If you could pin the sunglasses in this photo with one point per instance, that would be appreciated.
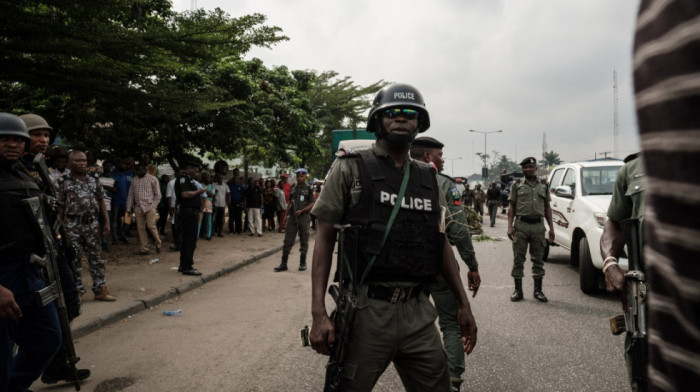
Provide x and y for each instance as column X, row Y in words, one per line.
column 408, row 114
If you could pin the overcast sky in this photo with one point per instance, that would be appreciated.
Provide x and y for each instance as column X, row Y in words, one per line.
column 528, row 67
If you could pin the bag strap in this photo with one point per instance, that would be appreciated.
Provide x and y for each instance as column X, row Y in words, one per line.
column 392, row 217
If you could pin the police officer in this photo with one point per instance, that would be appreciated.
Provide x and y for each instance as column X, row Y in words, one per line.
column 394, row 321
column 34, row 329
column 627, row 202
column 429, row 150
column 81, row 198
column 479, row 197
column 467, row 196
column 528, row 203
column 300, row 203
column 39, row 134
column 189, row 203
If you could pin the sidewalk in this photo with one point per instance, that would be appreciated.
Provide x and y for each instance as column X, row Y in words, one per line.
column 139, row 285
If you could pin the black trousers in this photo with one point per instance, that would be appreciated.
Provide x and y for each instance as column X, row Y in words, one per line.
column 219, row 217
column 189, row 220
column 235, row 218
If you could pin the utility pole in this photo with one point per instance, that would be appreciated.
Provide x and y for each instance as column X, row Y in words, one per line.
column 485, row 169
column 616, row 125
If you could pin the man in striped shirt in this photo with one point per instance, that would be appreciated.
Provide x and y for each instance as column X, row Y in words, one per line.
column 143, row 199
column 667, row 90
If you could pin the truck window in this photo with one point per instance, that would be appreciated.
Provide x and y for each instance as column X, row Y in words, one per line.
column 599, row 180
column 556, row 178
column 570, row 180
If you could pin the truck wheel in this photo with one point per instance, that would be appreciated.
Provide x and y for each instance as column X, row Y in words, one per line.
column 588, row 274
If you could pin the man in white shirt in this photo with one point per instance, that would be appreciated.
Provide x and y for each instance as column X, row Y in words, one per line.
column 143, row 199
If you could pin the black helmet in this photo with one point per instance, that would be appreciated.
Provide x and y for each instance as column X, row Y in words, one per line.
column 34, row 122
column 399, row 94
column 12, row 125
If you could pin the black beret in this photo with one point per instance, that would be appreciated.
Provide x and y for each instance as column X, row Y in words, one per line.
column 427, row 142
column 528, row 161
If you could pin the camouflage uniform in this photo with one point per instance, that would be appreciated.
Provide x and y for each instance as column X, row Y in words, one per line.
column 82, row 206
column 457, row 231
column 479, row 197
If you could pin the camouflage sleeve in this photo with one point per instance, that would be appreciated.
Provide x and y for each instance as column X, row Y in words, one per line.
column 457, row 226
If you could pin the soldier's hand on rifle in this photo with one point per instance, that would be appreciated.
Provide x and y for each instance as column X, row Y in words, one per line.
column 322, row 335
column 8, row 307
column 551, row 236
column 615, row 283
column 468, row 327
column 106, row 230
column 474, row 281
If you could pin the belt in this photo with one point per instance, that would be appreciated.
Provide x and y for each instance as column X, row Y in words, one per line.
column 530, row 219
column 85, row 218
column 393, row 294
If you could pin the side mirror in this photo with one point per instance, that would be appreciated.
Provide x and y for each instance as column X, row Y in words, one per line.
column 564, row 191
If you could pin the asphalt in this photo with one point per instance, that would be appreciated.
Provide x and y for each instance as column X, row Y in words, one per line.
column 141, row 282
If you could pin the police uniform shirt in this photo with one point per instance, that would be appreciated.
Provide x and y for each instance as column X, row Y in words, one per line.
column 628, row 196
column 529, row 200
column 342, row 188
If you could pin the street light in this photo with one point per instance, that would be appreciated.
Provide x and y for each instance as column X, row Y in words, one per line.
column 453, row 164
column 484, row 169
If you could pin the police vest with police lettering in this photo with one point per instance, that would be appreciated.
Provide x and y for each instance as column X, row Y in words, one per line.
column 413, row 250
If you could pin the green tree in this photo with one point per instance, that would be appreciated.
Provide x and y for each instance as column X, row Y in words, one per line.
column 123, row 73
column 338, row 103
column 550, row 159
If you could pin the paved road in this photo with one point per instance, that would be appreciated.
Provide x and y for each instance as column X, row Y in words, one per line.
column 240, row 333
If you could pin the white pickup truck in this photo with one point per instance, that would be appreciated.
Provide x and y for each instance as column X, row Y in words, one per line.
column 581, row 193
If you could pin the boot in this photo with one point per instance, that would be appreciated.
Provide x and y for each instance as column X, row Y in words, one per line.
column 283, row 265
column 538, row 294
column 58, row 370
column 104, row 295
column 302, row 262
column 456, row 383
column 518, row 293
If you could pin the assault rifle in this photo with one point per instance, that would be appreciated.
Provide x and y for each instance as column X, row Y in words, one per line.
column 53, row 291
column 343, row 317
column 634, row 320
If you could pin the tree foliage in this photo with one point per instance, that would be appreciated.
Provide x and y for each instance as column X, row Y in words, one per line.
column 550, row 159
column 135, row 76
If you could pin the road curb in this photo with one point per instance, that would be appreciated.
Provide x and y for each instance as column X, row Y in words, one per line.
column 140, row 305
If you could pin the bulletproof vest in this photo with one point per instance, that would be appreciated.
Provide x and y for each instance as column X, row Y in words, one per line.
column 186, row 183
column 413, row 250
column 301, row 196
column 18, row 232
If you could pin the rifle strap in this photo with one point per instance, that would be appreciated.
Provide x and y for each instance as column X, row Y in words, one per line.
column 392, row 217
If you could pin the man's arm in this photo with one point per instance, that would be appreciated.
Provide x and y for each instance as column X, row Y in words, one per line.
column 306, row 209
column 548, row 217
column 130, row 198
column 9, row 309
column 511, row 218
column 454, row 282
column 322, row 331
column 612, row 242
